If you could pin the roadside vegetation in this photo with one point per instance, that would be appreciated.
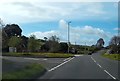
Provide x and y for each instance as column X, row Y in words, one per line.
column 113, row 50
column 16, row 43
column 28, row 72
column 45, row 55
column 112, row 56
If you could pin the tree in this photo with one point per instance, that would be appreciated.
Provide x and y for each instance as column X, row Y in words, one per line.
column 45, row 38
column 115, row 40
column 114, row 44
column 63, row 47
column 4, row 37
column 45, row 47
column 12, row 30
column 100, row 43
column 33, row 44
column 54, row 38
column 24, row 41
column 54, row 45
column 51, row 45
column 23, row 44
column 14, row 42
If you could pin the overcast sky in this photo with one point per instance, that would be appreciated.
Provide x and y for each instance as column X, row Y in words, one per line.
column 89, row 20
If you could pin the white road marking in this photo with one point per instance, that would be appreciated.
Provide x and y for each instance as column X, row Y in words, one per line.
column 31, row 58
column 93, row 59
column 60, row 64
column 99, row 65
column 102, row 68
column 78, row 55
column 66, row 59
column 44, row 59
column 109, row 74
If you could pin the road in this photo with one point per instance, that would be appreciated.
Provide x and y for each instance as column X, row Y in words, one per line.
column 85, row 67
column 80, row 67
column 48, row 63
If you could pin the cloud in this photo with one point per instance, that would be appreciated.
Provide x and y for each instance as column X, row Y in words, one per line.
column 118, row 29
column 36, row 11
column 41, row 35
column 80, row 35
column 86, row 30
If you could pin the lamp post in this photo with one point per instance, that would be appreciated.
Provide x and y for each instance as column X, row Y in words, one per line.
column 68, row 35
column 2, row 25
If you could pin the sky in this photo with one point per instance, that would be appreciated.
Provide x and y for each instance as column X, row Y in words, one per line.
column 89, row 20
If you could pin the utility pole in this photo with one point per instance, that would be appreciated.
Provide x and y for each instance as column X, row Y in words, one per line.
column 85, row 48
column 2, row 25
column 69, row 35
column 75, row 42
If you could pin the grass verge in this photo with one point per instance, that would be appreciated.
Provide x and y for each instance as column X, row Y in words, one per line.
column 112, row 56
column 29, row 72
column 58, row 55
column 47, row 55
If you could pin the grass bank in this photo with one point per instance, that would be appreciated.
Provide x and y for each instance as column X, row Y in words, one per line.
column 46, row 55
column 112, row 56
column 29, row 72
column 58, row 55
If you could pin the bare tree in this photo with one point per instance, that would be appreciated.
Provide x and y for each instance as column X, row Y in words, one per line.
column 115, row 40
column 115, row 44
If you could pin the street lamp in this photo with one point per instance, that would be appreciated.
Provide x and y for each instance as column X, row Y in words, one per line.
column 68, row 35
column 2, row 25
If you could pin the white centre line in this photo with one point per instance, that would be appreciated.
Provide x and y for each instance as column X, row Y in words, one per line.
column 44, row 59
column 60, row 65
column 103, row 69
column 31, row 58
column 93, row 59
column 109, row 74
column 66, row 59
column 99, row 65
column 78, row 55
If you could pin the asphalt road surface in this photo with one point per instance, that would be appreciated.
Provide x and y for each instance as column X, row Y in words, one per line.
column 84, row 67
column 79, row 67
column 48, row 63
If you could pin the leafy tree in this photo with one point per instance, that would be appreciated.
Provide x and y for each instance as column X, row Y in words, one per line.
column 45, row 38
column 14, row 41
column 23, row 45
column 24, row 41
column 45, row 47
column 63, row 47
column 100, row 43
column 54, row 38
column 8, row 31
column 12, row 30
column 52, row 45
column 33, row 44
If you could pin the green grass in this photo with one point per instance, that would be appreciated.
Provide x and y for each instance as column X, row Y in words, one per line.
column 58, row 55
column 112, row 56
column 48, row 55
column 25, row 73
